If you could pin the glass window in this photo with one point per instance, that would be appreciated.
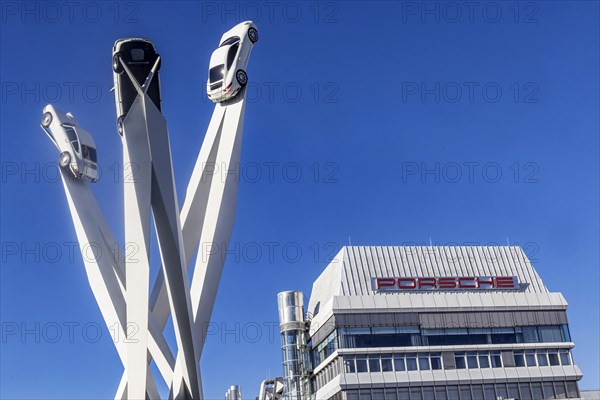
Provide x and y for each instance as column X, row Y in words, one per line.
column 378, row 330
column 378, row 394
column 137, row 54
column 477, row 392
column 561, row 391
column 453, row 392
column 349, row 365
column 484, row 360
column 365, row 394
column 428, row 393
column 403, row 394
column 399, row 362
column 408, row 329
column 70, row 133
column 530, row 358
column 216, row 73
column 440, row 393
column 525, row 391
column 374, row 365
column 501, row 390
column 423, row 362
column 386, row 363
column 352, row 394
column 566, row 333
column 361, row 364
column 459, row 359
column 230, row 40
column 572, row 391
column 92, row 154
column 548, row 391
column 513, row 391
column 436, row 361
column 553, row 357
column 465, row 392
column 231, row 54
column 519, row 359
column 415, row 393
column 390, row 394
column 472, row 360
column 565, row 359
column 488, row 392
column 552, row 333
column 72, row 137
column 536, row 389
column 496, row 360
column 411, row 362
column 503, row 338
column 542, row 358
column 530, row 334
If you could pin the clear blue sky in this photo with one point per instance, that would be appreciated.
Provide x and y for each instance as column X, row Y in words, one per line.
column 359, row 98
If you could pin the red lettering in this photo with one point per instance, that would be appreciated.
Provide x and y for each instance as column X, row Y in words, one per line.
column 385, row 282
column 485, row 281
column 427, row 282
column 505, row 282
column 432, row 283
column 447, row 283
column 465, row 286
column 411, row 281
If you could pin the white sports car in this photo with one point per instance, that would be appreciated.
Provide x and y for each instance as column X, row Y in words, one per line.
column 76, row 145
column 227, row 70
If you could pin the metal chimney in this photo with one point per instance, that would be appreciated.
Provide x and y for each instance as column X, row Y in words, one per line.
column 234, row 393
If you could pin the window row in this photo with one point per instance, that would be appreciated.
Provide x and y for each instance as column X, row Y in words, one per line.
column 462, row 360
column 542, row 358
column 327, row 374
column 393, row 362
column 413, row 336
column 406, row 336
column 522, row 391
column 478, row 359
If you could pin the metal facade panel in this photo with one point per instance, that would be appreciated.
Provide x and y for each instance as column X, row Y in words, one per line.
column 489, row 319
column 363, row 262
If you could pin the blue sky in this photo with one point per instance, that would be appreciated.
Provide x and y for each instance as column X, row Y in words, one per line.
column 377, row 122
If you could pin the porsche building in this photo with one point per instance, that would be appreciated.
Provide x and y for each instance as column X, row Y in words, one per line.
column 425, row 323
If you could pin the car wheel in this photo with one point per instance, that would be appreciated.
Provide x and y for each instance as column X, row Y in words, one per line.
column 120, row 125
column 46, row 119
column 117, row 67
column 64, row 160
column 241, row 77
column 253, row 35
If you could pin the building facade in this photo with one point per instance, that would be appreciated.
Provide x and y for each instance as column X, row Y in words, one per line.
column 436, row 323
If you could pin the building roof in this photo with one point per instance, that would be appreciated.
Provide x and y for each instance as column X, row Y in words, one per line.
column 350, row 272
column 590, row 394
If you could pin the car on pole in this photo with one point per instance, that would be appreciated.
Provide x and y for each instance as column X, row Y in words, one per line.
column 76, row 145
column 139, row 55
column 227, row 69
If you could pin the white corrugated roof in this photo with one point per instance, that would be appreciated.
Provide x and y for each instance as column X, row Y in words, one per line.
column 350, row 273
column 361, row 263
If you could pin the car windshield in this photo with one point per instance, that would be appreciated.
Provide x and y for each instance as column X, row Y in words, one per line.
column 216, row 73
column 231, row 40
column 89, row 153
column 231, row 55
column 72, row 137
